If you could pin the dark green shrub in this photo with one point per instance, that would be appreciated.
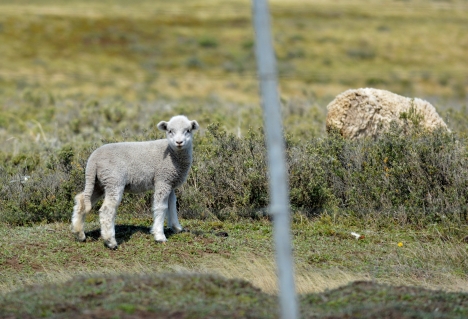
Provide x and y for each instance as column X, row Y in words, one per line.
column 208, row 42
column 423, row 174
column 228, row 176
column 46, row 194
column 406, row 175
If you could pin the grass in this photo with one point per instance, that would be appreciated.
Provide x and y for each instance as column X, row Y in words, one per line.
column 195, row 296
column 415, row 49
column 134, row 296
column 323, row 251
column 77, row 74
column 44, row 271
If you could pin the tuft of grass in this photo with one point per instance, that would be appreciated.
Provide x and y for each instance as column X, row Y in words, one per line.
column 367, row 300
column 203, row 296
column 182, row 295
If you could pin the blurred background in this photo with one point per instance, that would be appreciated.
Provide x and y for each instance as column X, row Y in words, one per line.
column 77, row 70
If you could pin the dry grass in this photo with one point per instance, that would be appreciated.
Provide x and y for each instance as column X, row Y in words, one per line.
column 414, row 48
column 322, row 262
column 261, row 272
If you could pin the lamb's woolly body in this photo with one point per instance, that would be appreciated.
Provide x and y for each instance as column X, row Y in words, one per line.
column 365, row 112
column 136, row 167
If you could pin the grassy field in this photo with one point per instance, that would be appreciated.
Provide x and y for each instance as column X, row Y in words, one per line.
column 77, row 74
column 142, row 278
column 197, row 49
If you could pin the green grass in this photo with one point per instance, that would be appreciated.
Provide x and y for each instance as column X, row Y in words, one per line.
column 322, row 247
column 46, row 273
column 165, row 296
column 196, row 296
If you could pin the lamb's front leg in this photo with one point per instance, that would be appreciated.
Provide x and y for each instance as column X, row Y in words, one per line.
column 160, row 209
column 107, row 216
column 172, row 219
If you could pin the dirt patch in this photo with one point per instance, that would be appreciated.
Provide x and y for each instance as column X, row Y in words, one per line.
column 14, row 263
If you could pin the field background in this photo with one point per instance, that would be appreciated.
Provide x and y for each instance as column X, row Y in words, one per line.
column 77, row 74
column 191, row 54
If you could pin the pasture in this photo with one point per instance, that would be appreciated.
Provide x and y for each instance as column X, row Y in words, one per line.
column 77, row 74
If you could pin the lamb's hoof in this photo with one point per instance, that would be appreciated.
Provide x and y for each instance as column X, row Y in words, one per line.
column 177, row 230
column 80, row 236
column 111, row 244
column 161, row 240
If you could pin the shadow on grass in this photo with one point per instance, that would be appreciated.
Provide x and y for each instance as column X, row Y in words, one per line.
column 124, row 233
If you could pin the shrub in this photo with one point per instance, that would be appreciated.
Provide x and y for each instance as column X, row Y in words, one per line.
column 406, row 175
column 421, row 174
column 228, row 176
column 44, row 194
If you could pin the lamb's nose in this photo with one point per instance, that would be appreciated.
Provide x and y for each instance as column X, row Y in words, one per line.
column 179, row 142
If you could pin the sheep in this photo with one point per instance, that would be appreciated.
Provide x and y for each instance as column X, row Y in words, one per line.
column 136, row 167
column 365, row 112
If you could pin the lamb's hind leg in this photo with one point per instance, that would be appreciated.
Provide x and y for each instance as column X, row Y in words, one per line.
column 107, row 217
column 172, row 219
column 79, row 213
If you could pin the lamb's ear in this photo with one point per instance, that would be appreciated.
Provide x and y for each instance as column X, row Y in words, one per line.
column 162, row 126
column 195, row 125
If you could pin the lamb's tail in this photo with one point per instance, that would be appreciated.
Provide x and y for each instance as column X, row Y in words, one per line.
column 90, row 180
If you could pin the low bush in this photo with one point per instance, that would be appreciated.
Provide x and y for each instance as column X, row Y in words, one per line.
column 416, row 178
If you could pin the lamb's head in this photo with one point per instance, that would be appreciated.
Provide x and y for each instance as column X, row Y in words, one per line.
column 179, row 131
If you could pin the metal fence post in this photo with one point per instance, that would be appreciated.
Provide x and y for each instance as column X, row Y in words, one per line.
column 279, row 190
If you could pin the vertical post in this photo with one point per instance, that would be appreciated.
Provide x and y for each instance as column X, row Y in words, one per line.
column 279, row 192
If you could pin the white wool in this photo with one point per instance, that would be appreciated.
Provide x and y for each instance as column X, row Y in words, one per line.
column 135, row 167
column 366, row 112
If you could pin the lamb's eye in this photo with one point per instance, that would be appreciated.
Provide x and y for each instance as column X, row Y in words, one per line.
column 170, row 131
column 188, row 131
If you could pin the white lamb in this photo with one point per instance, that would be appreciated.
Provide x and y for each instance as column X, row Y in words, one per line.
column 135, row 167
column 366, row 112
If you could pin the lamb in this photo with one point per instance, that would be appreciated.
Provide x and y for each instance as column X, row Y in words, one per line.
column 136, row 167
column 365, row 112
